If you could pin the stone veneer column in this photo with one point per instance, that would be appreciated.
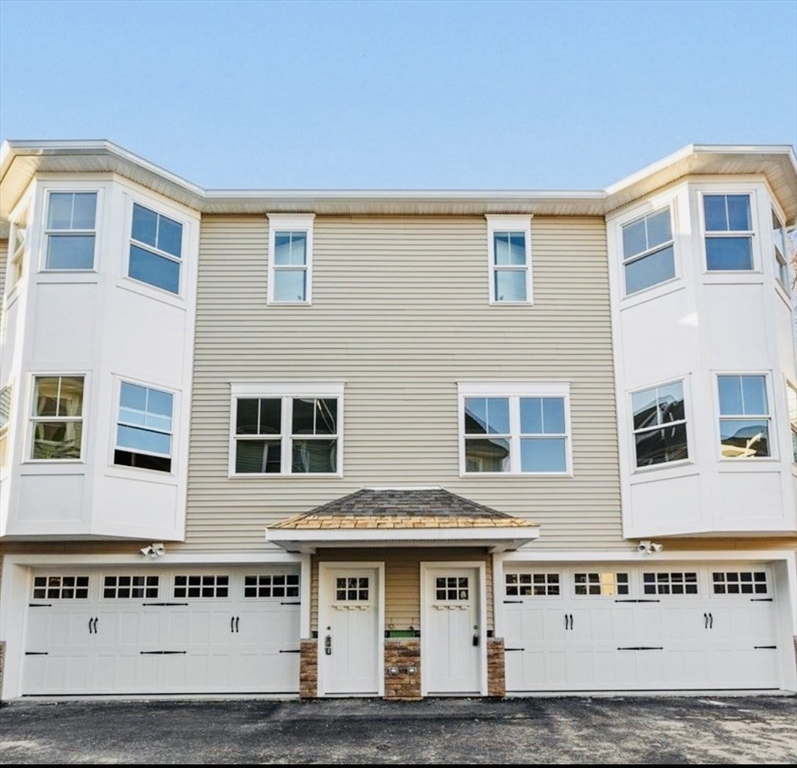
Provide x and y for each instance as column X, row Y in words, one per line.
column 401, row 654
column 496, row 670
column 308, row 669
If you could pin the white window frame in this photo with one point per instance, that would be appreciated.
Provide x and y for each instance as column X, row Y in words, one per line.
column 514, row 391
column 783, row 271
column 155, row 207
column 286, row 391
column 791, row 408
column 33, row 420
column 648, row 252
column 6, row 395
column 687, row 422
column 773, row 442
column 172, row 456
column 729, row 191
column 48, row 193
column 17, row 254
column 290, row 222
column 496, row 223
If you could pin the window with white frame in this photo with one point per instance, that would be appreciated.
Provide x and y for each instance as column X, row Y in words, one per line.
column 57, row 417
column 156, row 245
column 783, row 273
column 19, row 239
column 144, row 428
column 744, row 416
column 660, row 424
column 729, row 232
column 286, row 434
column 648, row 254
column 509, row 252
column 791, row 394
column 518, row 429
column 290, row 258
column 5, row 416
column 71, row 230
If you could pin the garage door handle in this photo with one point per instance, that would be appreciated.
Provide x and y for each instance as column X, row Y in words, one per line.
column 642, row 648
column 237, row 619
column 93, row 625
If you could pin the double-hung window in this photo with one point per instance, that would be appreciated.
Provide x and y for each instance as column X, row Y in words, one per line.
column 782, row 271
column 744, row 416
column 648, row 256
column 791, row 395
column 729, row 232
column 286, row 431
column 144, row 428
column 5, row 415
column 57, row 417
column 516, row 429
column 290, row 259
column 660, row 424
column 509, row 252
column 156, row 245
column 71, row 230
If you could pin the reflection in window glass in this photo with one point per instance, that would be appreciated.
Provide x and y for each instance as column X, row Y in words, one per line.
column 744, row 416
column 660, row 424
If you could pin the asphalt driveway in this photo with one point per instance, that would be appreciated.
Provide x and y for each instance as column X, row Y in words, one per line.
column 712, row 730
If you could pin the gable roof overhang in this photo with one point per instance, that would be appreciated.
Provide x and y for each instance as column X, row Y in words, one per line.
column 20, row 161
column 402, row 517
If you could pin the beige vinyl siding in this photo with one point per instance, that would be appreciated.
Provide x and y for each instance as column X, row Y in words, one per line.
column 400, row 314
column 402, row 579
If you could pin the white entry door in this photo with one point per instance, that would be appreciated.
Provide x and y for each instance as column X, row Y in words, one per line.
column 452, row 635
column 349, row 640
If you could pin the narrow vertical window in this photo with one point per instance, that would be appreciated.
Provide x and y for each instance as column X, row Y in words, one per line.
column 5, row 416
column 290, row 259
column 510, row 259
column 744, row 416
column 729, row 232
column 648, row 256
column 19, row 241
column 780, row 252
column 258, row 435
column 487, row 434
column 791, row 392
column 156, row 243
column 57, row 417
column 543, row 434
column 314, row 434
column 71, row 230
column 660, row 424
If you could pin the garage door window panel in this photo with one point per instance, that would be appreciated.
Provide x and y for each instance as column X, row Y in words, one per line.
column 670, row 583
column 124, row 587
column 201, row 586
column 533, row 585
column 739, row 583
column 598, row 584
column 60, row 587
column 268, row 585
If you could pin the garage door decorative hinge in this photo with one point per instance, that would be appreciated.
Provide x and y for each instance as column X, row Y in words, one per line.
column 146, row 605
column 37, row 653
column 160, row 653
column 765, row 647
column 638, row 600
column 642, row 648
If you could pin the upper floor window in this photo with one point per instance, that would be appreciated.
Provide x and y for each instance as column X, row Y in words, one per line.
column 5, row 415
column 780, row 251
column 648, row 255
column 156, row 243
column 660, row 424
column 744, row 416
column 729, row 232
column 71, row 230
column 57, row 418
column 290, row 259
column 18, row 241
column 286, row 434
column 791, row 393
column 509, row 250
column 522, row 431
column 144, row 428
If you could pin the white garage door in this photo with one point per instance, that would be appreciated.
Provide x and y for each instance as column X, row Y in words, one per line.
column 156, row 631
column 608, row 627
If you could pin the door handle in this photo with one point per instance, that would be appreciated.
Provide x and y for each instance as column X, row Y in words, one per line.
column 237, row 619
column 96, row 619
column 571, row 621
column 705, row 621
column 91, row 618
column 328, row 645
column 711, row 621
column 232, row 623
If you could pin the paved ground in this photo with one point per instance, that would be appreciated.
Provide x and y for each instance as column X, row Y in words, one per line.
column 713, row 730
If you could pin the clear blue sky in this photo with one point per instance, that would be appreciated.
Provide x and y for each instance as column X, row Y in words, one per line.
column 424, row 94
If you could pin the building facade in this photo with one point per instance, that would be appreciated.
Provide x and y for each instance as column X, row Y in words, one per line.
column 396, row 444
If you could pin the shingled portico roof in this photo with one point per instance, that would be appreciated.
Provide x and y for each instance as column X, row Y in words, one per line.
column 402, row 517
